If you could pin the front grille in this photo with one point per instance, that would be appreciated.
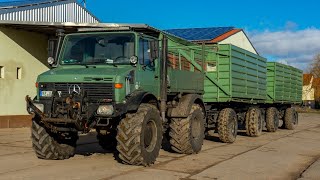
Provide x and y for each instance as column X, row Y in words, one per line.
column 95, row 91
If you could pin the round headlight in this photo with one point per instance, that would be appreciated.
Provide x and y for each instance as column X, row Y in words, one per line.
column 50, row 60
column 134, row 60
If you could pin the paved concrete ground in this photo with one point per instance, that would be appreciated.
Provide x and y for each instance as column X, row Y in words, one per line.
column 312, row 172
column 281, row 155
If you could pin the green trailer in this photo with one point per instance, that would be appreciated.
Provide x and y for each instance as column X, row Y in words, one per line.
column 242, row 90
column 284, row 84
column 235, row 75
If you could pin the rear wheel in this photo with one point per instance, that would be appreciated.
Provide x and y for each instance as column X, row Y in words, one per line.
column 48, row 145
column 139, row 136
column 254, row 122
column 227, row 125
column 187, row 134
column 290, row 119
column 272, row 119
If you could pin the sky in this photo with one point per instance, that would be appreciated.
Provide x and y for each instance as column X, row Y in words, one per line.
column 285, row 30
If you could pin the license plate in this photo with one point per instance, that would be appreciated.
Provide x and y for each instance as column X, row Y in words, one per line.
column 45, row 93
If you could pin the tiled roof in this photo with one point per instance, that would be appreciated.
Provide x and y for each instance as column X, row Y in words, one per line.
column 225, row 35
column 306, row 79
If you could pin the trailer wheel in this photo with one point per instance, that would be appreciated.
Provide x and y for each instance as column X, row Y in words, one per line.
column 272, row 119
column 187, row 134
column 254, row 122
column 139, row 136
column 290, row 119
column 227, row 125
column 49, row 145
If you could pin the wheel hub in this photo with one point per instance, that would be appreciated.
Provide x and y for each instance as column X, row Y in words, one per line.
column 150, row 136
column 196, row 128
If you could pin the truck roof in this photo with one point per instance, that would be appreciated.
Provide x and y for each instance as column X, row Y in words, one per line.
column 142, row 28
column 70, row 27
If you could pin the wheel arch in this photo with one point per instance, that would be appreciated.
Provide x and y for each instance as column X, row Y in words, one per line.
column 140, row 97
column 185, row 105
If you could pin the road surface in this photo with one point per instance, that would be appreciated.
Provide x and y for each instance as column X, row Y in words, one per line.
column 284, row 154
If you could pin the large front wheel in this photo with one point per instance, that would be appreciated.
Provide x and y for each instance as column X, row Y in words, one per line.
column 139, row 136
column 49, row 145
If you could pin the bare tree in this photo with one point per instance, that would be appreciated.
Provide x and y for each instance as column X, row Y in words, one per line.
column 314, row 68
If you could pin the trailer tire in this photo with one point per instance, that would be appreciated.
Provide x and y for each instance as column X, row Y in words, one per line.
column 290, row 119
column 227, row 125
column 139, row 136
column 254, row 122
column 272, row 119
column 187, row 134
column 47, row 145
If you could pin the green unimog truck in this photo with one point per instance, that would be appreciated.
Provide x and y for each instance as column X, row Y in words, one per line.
column 117, row 82
column 135, row 85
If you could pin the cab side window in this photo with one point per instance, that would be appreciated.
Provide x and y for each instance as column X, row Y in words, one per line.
column 144, row 53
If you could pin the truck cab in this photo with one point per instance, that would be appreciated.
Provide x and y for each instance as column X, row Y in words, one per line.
column 119, row 81
column 97, row 71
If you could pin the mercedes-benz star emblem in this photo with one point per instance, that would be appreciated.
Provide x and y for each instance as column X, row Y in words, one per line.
column 74, row 88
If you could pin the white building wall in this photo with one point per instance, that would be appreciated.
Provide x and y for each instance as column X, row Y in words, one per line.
column 239, row 39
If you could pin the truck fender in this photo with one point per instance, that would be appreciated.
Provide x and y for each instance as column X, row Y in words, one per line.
column 136, row 98
column 184, row 106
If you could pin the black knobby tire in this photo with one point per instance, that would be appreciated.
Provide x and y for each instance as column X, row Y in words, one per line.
column 272, row 119
column 187, row 134
column 139, row 136
column 48, row 145
column 227, row 125
column 290, row 119
column 254, row 122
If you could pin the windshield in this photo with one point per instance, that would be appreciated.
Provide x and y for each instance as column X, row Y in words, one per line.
column 98, row 49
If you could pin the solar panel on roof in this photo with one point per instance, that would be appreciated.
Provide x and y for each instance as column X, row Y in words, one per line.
column 199, row 34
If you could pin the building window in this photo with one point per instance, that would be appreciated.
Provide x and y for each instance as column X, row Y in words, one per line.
column 19, row 73
column 1, row 72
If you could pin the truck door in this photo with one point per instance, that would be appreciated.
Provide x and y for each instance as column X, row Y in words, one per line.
column 148, row 74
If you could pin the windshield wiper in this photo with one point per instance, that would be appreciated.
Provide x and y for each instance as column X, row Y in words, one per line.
column 97, row 62
column 111, row 61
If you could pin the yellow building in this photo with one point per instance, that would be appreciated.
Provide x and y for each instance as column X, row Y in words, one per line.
column 311, row 91
column 25, row 27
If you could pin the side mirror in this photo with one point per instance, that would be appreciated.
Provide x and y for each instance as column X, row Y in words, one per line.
column 154, row 49
column 51, row 51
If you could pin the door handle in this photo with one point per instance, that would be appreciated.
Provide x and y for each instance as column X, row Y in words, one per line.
column 156, row 77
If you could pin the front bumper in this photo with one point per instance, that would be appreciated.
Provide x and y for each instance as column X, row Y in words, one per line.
column 34, row 110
